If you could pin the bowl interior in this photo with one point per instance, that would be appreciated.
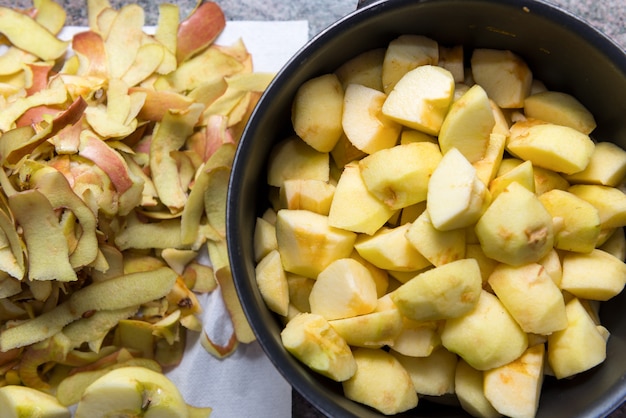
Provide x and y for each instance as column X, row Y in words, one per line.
column 563, row 52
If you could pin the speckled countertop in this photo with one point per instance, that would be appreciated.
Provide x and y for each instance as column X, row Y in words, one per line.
column 607, row 15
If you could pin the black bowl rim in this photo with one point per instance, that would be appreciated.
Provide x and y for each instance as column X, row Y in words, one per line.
column 291, row 370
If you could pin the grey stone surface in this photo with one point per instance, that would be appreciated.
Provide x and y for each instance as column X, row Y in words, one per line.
column 609, row 16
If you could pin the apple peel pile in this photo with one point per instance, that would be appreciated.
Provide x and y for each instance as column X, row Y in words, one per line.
column 116, row 148
column 442, row 228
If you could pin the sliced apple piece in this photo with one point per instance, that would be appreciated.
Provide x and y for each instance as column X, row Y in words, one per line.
column 345, row 288
column 313, row 341
column 531, row 297
column 515, row 388
column 555, row 147
column 578, row 221
column 448, row 291
column 350, row 192
column 468, row 125
column 130, row 387
column 380, row 381
column 363, row 122
column 456, row 197
column 365, row 69
column 609, row 201
column 21, row 401
column 307, row 194
column 416, row 338
column 505, row 76
column 606, row 167
column 596, row 275
column 516, row 228
column 421, row 99
column 308, row 244
column 389, row 249
column 317, row 112
column 485, row 337
column 272, row 282
column 577, row 348
column 292, row 158
column 405, row 53
column 438, row 247
column 399, row 176
column 561, row 109
column 468, row 386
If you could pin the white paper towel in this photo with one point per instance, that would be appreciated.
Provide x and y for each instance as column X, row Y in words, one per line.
column 246, row 384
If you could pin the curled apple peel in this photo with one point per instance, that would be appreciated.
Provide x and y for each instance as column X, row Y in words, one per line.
column 115, row 157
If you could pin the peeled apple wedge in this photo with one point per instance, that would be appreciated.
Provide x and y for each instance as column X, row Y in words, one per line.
column 468, row 125
column 421, row 98
column 344, row 289
column 365, row 69
column 380, row 381
column 352, row 191
column 132, row 391
column 399, row 175
column 363, row 122
column 609, row 201
column 294, row 159
column 468, row 386
column 389, row 249
column 438, row 247
column 505, row 76
column 487, row 336
column 561, row 109
column 516, row 228
column 606, row 167
column 456, row 197
column 317, row 112
column 555, row 147
column 405, row 53
column 21, row 401
column 313, row 341
column 308, row 244
column 577, row 222
column 531, row 297
column 578, row 347
column 596, row 275
column 447, row 291
column 514, row 389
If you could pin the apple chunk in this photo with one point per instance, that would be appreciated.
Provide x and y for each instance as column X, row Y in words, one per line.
column 405, row 53
column 596, row 275
column 344, row 289
column 456, row 197
column 468, row 125
column 292, row 158
column 421, row 98
column 447, row 291
column 381, row 382
column 313, row 341
column 399, row 176
column 363, row 122
column 505, row 76
column 531, row 297
column 308, row 244
column 317, row 112
column 555, row 147
column 578, row 221
column 514, row 389
column 487, row 336
column 578, row 347
column 352, row 192
column 438, row 247
column 561, row 109
column 516, row 228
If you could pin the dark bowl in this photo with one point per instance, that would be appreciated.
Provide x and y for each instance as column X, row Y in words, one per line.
column 564, row 52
